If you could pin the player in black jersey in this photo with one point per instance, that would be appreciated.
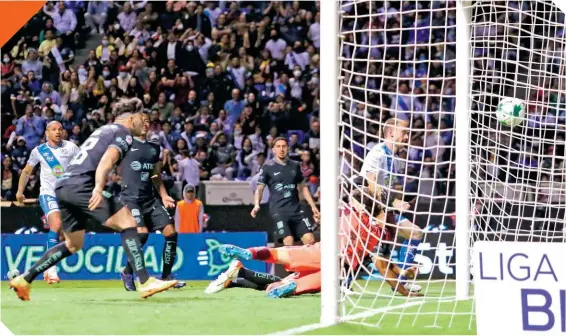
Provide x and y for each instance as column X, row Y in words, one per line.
column 141, row 171
column 80, row 194
column 283, row 177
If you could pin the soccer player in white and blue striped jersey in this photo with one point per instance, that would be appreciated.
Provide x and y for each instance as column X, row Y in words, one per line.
column 380, row 172
column 53, row 156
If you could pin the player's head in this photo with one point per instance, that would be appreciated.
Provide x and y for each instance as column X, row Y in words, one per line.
column 280, row 147
column 131, row 116
column 361, row 200
column 54, row 132
column 396, row 131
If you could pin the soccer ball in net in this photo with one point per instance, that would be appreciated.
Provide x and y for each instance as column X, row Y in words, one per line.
column 511, row 111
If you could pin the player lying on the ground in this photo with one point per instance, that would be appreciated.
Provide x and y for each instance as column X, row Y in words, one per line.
column 54, row 157
column 379, row 172
column 81, row 195
column 304, row 261
column 141, row 171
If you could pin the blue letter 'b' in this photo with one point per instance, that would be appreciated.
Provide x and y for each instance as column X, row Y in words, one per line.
column 545, row 308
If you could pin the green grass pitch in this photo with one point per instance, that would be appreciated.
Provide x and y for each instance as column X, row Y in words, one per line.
column 103, row 307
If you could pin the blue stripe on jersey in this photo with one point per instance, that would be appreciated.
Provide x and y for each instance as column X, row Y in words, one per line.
column 389, row 157
column 56, row 168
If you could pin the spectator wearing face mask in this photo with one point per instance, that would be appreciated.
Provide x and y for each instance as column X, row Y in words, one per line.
column 104, row 50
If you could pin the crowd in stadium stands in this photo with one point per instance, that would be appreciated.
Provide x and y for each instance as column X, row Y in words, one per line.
column 220, row 80
column 404, row 67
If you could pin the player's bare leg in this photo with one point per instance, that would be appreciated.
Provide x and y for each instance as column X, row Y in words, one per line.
column 124, row 222
column 169, row 254
column 127, row 274
column 413, row 236
column 54, row 221
column 22, row 284
column 289, row 241
column 308, row 238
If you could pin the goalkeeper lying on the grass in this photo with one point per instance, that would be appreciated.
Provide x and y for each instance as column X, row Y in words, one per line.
column 365, row 234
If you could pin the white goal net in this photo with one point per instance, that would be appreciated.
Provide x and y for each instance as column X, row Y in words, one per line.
column 398, row 59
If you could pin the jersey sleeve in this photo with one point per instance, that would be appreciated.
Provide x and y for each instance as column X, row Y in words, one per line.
column 33, row 158
column 263, row 176
column 122, row 141
column 74, row 149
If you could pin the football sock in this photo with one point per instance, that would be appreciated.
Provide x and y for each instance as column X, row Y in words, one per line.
column 169, row 253
column 264, row 253
column 50, row 257
column 408, row 252
column 143, row 239
column 52, row 239
column 132, row 248
column 258, row 278
column 243, row 283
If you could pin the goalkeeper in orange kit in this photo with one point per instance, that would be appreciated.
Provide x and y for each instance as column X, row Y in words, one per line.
column 365, row 235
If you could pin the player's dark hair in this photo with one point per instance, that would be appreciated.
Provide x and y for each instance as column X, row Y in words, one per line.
column 278, row 139
column 369, row 203
column 128, row 105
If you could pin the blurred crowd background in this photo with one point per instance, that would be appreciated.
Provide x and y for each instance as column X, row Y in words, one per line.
column 219, row 80
column 400, row 62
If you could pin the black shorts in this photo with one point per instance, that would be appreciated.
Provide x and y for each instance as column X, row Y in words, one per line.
column 149, row 213
column 296, row 225
column 73, row 202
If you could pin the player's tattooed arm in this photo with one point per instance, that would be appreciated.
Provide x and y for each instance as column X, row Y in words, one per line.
column 105, row 166
column 24, row 177
column 257, row 199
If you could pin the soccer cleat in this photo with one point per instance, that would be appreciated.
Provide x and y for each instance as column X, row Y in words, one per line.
column 153, row 286
column 225, row 278
column 235, row 252
column 21, row 287
column 180, row 284
column 413, row 287
column 284, row 290
column 128, row 280
column 50, row 276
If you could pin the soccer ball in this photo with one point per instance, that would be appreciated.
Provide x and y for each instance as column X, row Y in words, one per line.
column 511, row 111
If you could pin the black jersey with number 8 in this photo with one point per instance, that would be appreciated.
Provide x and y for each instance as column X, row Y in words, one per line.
column 85, row 162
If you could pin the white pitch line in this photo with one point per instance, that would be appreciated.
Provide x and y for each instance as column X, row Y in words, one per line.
column 314, row 326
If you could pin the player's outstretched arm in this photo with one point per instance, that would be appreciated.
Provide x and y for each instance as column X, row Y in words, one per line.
column 108, row 160
column 24, row 177
column 391, row 277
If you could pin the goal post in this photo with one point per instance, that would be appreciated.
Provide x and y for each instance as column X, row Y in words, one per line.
column 443, row 66
column 463, row 16
column 329, row 147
